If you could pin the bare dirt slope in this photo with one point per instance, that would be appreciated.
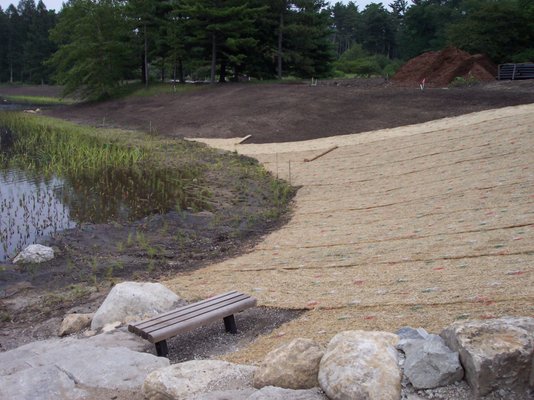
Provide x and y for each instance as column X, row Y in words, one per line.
column 419, row 225
column 290, row 112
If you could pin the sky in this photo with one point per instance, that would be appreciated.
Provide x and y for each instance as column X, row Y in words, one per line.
column 56, row 4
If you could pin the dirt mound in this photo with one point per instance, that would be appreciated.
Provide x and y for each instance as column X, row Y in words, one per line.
column 439, row 68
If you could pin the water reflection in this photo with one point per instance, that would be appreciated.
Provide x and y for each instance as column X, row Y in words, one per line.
column 32, row 207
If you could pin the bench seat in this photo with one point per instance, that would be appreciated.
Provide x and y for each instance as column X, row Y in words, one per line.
column 183, row 319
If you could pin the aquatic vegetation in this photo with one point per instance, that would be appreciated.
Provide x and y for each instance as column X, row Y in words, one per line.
column 55, row 175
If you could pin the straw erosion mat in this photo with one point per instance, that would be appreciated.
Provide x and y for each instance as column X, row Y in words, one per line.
column 420, row 225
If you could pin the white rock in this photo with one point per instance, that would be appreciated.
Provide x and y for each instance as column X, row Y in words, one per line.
column 294, row 365
column 360, row 365
column 73, row 323
column 34, row 254
column 85, row 361
column 496, row 354
column 195, row 378
column 132, row 301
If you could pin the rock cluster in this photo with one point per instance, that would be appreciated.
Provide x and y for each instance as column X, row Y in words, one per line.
column 495, row 356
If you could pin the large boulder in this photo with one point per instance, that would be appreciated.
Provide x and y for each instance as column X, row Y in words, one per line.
column 360, row 365
column 430, row 363
column 132, row 301
column 496, row 354
column 34, row 254
column 294, row 365
column 74, row 323
column 85, row 362
column 41, row 383
column 192, row 379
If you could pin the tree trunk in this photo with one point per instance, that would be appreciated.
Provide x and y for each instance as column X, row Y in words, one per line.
column 146, row 57
column 222, row 73
column 280, row 39
column 181, row 70
column 213, row 57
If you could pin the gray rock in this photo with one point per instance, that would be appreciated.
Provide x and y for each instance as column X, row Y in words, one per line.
column 119, row 338
column 74, row 323
column 239, row 394
column 276, row 393
column 132, row 301
column 34, row 254
column 195, row 378
column 41, row 383
column 496, row 354
column 430, row 364
column 84, row 362
column 294, row 365
column 407, row 332
column 360, row 365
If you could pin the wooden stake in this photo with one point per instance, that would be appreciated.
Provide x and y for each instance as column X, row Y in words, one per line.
column 320, row 155
column 245, row 138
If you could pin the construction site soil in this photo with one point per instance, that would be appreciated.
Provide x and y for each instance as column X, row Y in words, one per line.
column 410, row 226
column 294, row 112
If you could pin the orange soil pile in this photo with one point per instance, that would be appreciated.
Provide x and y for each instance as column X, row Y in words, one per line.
column 439, row 68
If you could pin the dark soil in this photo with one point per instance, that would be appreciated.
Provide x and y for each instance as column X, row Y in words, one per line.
column 292, row 112
column 92, row 258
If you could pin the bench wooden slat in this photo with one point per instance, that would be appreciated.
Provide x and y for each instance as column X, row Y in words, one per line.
column 150, row 326
column 182, row 311
column 192, row 316
column 197, row 304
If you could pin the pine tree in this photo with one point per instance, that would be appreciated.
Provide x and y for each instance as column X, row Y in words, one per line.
column 94, row 47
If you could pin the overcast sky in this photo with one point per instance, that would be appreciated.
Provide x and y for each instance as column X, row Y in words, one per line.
column 56, row 4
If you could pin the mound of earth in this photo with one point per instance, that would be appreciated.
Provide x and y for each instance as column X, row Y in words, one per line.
column 439, row 68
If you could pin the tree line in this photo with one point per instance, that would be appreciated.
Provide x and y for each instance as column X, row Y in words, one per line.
column 96, row 45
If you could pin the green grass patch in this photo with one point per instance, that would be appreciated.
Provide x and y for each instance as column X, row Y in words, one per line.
column 138, row 89
column 39, row 100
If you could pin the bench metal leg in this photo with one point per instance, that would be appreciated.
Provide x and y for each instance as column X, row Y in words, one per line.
column 161, row 348
column 229, row 324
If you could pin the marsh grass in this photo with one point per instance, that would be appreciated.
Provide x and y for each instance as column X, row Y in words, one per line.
column 49, row 146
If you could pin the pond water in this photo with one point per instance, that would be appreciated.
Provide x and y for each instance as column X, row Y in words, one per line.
column 32, row 207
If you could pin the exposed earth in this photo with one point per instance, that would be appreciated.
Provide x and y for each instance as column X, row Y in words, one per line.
column 384, row 227
column 292, row 112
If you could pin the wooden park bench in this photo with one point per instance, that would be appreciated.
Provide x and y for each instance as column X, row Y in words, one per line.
column 183, row 319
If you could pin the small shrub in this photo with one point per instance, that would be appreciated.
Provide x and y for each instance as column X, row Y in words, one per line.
column 461, row 81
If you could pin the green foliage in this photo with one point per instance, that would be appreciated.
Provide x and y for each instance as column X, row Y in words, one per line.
column 499, row 29
column 93, row 55
column 460, row 81
column 356, row 61
column 523, row 56
column 101, row 44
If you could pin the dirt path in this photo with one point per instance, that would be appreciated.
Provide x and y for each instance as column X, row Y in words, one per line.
column 419, row 225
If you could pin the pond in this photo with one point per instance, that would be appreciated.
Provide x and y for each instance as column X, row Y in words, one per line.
column 34, row 205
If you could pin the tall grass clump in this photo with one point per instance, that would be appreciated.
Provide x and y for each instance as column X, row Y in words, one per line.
column 51, row 146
